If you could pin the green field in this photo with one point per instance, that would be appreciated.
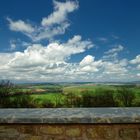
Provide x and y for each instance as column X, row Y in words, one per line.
column 70, row 95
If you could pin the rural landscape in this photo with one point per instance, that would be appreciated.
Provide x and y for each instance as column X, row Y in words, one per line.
column 69, row 53
column 69, row 95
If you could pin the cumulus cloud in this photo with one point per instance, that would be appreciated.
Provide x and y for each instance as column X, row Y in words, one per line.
column 55, row 24
column 87, row 60
column 112, row 54
column 51, row 62
column 12, row 45
column 123, row 62
column 114, row 68
column 40, row 62
column 20, row 26
column 136, row 60
column 115, row 50
column 112, row 65
column 60, row 13
column 88, row 64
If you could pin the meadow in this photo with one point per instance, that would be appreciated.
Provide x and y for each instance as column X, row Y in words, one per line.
column 57, row 95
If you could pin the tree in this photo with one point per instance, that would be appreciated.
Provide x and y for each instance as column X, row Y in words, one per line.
column 6, row 88
column 126, row 96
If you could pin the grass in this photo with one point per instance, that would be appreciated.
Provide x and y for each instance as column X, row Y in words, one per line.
column 84, row 95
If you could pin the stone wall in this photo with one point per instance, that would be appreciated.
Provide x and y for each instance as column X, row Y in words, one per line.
column 70, row 132
column 70, row 124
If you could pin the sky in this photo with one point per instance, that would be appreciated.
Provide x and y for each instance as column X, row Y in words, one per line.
column 70, row 40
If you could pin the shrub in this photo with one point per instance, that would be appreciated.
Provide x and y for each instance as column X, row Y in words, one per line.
column 48, row 104
column 104, row 98
column 70, row 99
column 100, row 98
column 87, row 98
column 6, row 88
column 126, row 96
column 20, row 101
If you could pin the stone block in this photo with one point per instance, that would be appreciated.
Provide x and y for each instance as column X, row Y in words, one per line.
column 52, row 130
column 128, row 133
column 99, row 132
column 74, row 132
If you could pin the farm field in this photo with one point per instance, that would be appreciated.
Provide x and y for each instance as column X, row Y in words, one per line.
column 57, row 95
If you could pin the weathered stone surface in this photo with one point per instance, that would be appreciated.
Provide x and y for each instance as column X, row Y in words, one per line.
column 70, row 132
column 74, row 132
column 101, row 132
column 9, row 133
column 70, row 124
column 71, row 115
column 29, row 130
column 52, row 130
column 128, row 133
column 35, row 138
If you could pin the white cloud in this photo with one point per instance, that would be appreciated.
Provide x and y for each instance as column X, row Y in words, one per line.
column 48, row 32
column 123, row 62
column 20, row 26
column 12, row 45
column 115, row 50
column 55, row 24
column 136, row 60
column 60, row 13
column 112, row 54
column 52, row 53
column 114, row 68
column 88, row 64
column 52, row 62
column 43, row 62
column 87, row 60
column 138, row 67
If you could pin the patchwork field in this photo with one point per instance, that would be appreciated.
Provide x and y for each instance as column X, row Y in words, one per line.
column 69, row 95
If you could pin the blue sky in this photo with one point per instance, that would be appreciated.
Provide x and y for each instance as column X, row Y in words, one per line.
column 70, row 40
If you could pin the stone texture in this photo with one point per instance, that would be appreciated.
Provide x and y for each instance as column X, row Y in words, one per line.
column 70, row 124
column 74, row 132
column 70, row 132
column 101, row 132
column 52, row 130
column 71, row 115
column 128, row 133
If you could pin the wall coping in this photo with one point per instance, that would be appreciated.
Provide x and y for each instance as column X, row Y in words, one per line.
column 71, row 115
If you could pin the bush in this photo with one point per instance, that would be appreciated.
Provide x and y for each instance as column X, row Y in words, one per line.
column 6, row 88
column 20, row 101
column 48, row 104
column 126, row 96
column 87, row 98
column 104, row 98
column 100, row 98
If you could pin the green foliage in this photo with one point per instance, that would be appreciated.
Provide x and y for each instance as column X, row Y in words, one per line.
column 20, row 101
column 100, row 98
column 6, row 88
column 126, row 96
column 68, row 96
column 48, row 104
